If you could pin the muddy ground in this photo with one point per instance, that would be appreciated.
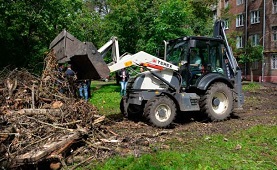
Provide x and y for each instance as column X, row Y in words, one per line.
column 260, row 108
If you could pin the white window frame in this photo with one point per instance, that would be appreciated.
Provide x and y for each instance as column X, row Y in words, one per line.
column 255, row 39
column 274, row 6
column 239, row 2
column 255, row 17
column 274, row 61
column 227, row 23
column 239, row 20
column 239, row 42
column 226, row 4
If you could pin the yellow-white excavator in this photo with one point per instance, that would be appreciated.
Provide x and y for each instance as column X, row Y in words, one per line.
column 171, row 84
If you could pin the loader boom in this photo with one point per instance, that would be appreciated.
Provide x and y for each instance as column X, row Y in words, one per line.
column 111, row 44
column 88, row 62
column 219, row 31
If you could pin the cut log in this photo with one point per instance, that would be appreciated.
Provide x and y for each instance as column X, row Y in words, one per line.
column 30, row 112
column 44, row 151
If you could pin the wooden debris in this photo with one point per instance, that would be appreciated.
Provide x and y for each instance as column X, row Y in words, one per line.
column 37, row 154
column 39, row 123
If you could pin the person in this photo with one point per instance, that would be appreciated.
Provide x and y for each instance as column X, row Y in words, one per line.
column 124, row 76
column 61, row 68
column 83, row 89
column 71, row 77
column 69, row 72
column 195, row 60
column 141, row 69
column 195, row 63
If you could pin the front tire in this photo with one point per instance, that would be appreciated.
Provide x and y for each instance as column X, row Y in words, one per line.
column 122, row 107
column 217, row 102
column 134, row 112
column 160, row 111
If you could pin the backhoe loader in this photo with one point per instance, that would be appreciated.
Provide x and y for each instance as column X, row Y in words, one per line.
column 171, row 84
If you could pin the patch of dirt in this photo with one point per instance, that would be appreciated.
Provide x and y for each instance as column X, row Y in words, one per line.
column 260, row 108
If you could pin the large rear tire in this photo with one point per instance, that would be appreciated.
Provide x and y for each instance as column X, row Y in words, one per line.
column 160, row 111
column 217, row 102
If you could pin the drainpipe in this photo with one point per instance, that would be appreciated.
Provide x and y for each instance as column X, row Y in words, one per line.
column 263, row 64
column 245, row 32
column 246, row 19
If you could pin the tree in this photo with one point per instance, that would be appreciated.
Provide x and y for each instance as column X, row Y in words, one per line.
column 252, row 54
column 143, row 25
column 202, row 23
column 28, row 27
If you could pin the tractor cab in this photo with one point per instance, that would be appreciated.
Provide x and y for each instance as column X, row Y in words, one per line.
column 197, row 57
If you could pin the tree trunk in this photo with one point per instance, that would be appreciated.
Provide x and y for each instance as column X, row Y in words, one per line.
column 251, row 74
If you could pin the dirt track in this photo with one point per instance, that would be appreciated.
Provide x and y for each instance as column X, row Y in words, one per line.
column 260, row 108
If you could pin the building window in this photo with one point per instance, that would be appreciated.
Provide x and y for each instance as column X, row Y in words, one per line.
column 274, row 6
column 226, row 4
column 254, row 39
column 226, row 22
column 214, row 15
column 274, row 36
column 239, row 2
column 255, row 65
column 239, row 42
column 239, row 20
column 274, row 33
column 274, row 61
column 255, row 17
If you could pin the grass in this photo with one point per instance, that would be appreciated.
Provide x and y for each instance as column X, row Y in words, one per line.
column 106, row 97
column 251, row 149
column 255, row 148
column 251, row 86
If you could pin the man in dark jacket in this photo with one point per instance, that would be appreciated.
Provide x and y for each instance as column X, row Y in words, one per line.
column 71, row 77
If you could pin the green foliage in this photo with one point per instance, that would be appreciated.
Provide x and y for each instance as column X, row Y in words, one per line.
column 27, row 27
column 232, row 40
column 251, row 149
column 252, row 54
column 143, row 25
column 202, row 21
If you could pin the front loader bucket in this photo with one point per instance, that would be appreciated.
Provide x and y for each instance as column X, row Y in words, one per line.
column 86, row 61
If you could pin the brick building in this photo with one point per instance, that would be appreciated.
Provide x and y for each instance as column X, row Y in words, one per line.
column 253, row 21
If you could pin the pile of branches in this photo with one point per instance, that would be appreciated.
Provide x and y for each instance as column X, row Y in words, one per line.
column 34, row 113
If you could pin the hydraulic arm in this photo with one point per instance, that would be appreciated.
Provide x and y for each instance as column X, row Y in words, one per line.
column 88, row 62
